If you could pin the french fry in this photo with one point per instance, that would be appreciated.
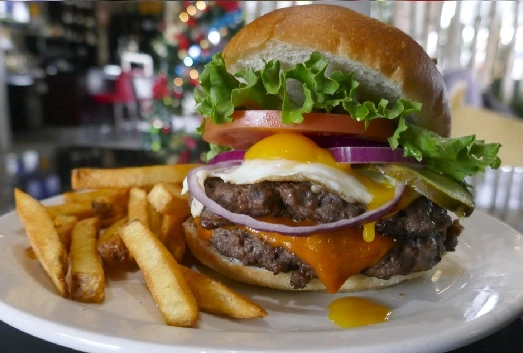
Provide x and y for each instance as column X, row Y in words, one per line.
column 138, row 207
column 85, row 178
column 162, row 274
column 130, row 216
column 106, row 206
column 119, row 196
column 107, row 222
column 103, row 208
column 87, row 274
column 64, row 225
column 216, row 298
column 111, row 247
column 173, row 236
column 44, row 239
column 80, row 210
column 168, row 200
column 155, row 220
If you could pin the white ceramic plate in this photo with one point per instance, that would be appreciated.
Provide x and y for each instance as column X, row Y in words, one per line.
column 473, row 292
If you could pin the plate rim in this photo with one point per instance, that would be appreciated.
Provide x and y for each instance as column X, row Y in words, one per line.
column 95, row 342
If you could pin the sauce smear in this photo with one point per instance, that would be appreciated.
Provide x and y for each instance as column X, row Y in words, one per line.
column 349, row 312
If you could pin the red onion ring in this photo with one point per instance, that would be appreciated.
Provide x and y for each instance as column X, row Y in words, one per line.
column 227, row 156
column 361, row 155
column 198, row 192
column 346, row 154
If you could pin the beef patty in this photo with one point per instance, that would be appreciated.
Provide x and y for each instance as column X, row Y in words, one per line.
column 297, row 200
column 423, row 230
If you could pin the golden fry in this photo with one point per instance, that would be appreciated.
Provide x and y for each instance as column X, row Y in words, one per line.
column 64, row 225
column 129, row 177
column 87, row 274
column 103, row 209
column 167, row 199
column 107, row 222
column 106, row 206
column 214, row 297
column 111, row 247
column 44, row 239
column 80, row 210
column 140, row 211
column 173, row 236
column 155, row 221
column 138, row 207
column 118, row 195
column 162, row 274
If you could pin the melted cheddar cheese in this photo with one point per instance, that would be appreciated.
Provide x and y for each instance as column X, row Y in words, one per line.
column 335, row 256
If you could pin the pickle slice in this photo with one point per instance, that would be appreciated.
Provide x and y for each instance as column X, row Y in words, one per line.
column 442, row 190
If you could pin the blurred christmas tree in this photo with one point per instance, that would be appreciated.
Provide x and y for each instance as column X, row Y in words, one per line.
column 192, row 33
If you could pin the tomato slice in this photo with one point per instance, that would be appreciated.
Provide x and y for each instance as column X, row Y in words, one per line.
column 250, row 126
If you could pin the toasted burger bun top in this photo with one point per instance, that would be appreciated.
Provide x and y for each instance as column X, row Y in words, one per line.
column 204, row 252
column 387, row 62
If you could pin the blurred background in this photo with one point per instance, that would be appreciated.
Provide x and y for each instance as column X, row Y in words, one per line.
column 110, row 83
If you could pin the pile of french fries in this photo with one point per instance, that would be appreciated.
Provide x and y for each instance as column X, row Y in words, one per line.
column 118, row 218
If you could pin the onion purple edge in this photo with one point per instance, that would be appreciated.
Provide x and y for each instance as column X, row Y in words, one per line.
column 346, row 154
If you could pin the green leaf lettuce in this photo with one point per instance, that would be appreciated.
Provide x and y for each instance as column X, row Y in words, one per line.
column 220, row 93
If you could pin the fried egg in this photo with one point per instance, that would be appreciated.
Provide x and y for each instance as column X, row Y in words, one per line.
column 290, row 157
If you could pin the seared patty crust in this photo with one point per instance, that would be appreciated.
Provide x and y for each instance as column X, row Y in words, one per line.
column 300, row 201
column 423, row 230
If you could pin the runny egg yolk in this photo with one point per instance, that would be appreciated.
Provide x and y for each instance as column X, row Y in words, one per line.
column 292, row 146
column 349, row 312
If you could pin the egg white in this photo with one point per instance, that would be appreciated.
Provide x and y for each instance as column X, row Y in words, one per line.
column 255, row 171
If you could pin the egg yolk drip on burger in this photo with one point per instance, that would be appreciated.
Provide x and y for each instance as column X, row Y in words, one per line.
column 380, row 195
column 325, row 252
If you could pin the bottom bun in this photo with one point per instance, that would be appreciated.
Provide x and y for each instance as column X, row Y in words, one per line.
column 232, row 268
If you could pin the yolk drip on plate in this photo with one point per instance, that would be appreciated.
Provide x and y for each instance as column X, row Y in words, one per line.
column 349, row 312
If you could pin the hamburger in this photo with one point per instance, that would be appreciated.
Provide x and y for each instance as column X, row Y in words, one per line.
column 330, row 163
